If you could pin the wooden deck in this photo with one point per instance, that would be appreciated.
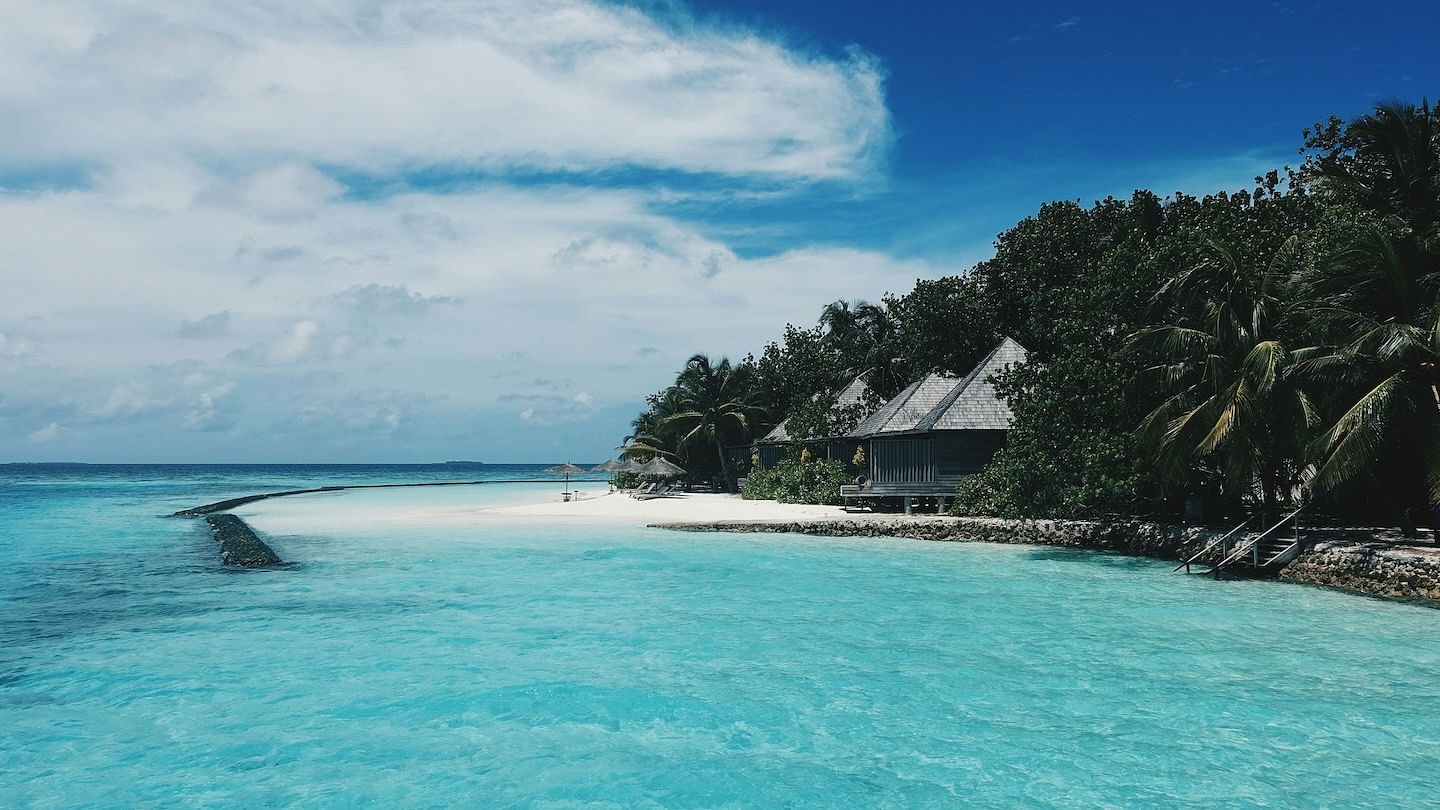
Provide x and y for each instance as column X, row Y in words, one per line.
column 907, row 490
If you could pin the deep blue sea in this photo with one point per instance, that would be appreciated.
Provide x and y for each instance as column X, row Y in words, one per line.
column 508, row 664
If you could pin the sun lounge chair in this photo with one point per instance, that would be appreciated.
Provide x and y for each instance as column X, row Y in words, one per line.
column 644, row 490
column 659, row 491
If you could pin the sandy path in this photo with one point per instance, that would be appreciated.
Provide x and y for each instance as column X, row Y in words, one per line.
column 691, row 506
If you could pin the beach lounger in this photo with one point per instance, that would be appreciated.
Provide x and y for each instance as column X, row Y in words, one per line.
column 644, row 490
column 658, row 492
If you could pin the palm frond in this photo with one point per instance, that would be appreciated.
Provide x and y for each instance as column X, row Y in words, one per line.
column 1356, row 437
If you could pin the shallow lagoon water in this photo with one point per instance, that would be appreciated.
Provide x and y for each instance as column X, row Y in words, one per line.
column 509, row 664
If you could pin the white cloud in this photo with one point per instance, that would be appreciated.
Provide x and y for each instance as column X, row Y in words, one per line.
column 309, row 309
column 302, row 341
column 215, row 324
column 550, row 84
column 129, row 399
column 375, row 300
column 14, row 347
column 370, row 298
column 208, row 410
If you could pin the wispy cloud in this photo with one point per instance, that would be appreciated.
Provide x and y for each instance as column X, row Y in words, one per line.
column 544, row 84
column 233, row 286
column 44, row 434
column 1073, row 22
column 213, row 325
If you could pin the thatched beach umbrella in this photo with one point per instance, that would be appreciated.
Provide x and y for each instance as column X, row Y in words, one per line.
column 661, row 467
column 567, row 469
column 610, row 466
column 630, row 465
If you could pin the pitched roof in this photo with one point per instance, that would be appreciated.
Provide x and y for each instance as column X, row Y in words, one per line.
column 941, row 402
column 902, row 413
column 974, row 403
column 852, row 394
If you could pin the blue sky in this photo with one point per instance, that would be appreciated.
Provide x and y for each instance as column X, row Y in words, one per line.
column 387, row 230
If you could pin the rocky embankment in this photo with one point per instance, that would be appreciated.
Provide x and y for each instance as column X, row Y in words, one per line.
column 238, row 544
column 1348, row 560
column 1128, row 537
column 1374, row 568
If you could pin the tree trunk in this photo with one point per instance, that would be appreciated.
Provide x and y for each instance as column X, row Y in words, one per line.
column 724, row 467
column 1402, row 515
column 1271, row 508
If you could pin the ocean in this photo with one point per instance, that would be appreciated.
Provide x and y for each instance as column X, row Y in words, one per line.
column 501, row 663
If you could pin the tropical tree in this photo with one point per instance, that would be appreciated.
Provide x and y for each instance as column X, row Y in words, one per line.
column 717, row 405
column 1233, row 394
column 794, row 370
column 1375, row 300
column 865, row 336
column 650, row 436
column 841, row 323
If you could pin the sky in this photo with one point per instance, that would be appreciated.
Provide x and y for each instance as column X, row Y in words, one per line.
column 409, row 231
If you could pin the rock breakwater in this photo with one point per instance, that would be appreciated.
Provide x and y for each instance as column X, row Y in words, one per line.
column 238, row 544
column 1349, row 560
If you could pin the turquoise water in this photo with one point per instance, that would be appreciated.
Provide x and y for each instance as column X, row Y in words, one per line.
column 504, row 664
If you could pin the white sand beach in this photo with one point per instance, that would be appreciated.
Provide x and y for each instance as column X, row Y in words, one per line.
column 460, row 507
column 619, row 507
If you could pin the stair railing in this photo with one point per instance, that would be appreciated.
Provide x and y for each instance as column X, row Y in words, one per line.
column 1217, row 541
column 1254, row 548
column 1288, row 548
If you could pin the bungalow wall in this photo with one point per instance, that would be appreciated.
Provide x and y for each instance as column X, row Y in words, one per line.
column 843, row 450
column 902, row 461
column 959, row 453
column 942, row 458
column 770, row 455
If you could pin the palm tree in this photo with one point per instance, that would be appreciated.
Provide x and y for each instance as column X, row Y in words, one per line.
column 841, row 322
column 1232, row 395
column 649, row 436
column 867, row 339
column 1376, row 299
column 717, row 405
column 1388, row 162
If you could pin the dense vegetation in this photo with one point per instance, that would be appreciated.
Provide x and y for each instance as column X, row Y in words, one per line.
column 798, row 480
column 1260, row 348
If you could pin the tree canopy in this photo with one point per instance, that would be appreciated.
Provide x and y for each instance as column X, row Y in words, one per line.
column 1269, row 346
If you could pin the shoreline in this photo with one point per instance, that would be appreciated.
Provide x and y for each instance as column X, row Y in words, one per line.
column 1367, row 562
column 1354, row 561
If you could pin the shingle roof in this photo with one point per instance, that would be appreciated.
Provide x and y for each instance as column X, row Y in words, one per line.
column 902, row 413
column 852, row 394
column 942, row 402
column 974, row 404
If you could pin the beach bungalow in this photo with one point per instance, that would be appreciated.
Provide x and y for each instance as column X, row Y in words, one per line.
column 775, row 444
column 940, row 429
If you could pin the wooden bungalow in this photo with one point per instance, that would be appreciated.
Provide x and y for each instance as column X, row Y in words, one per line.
column 775, row 444
column 940, row 429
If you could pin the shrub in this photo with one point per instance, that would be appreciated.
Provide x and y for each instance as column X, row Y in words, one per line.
column 796, row 481
column 1016, row 485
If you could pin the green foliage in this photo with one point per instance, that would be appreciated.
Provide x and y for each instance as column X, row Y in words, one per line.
column 1283, row 335
column 1224, row 362
column 710, row 406
column 716, row 404
column 1070, row 284
column 821, row 417
column 796, row 481
column 1068, row 454
column 789, row 373
column 1374, row 305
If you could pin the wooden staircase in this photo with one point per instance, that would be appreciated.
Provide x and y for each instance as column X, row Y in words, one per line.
column 1254, row 556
